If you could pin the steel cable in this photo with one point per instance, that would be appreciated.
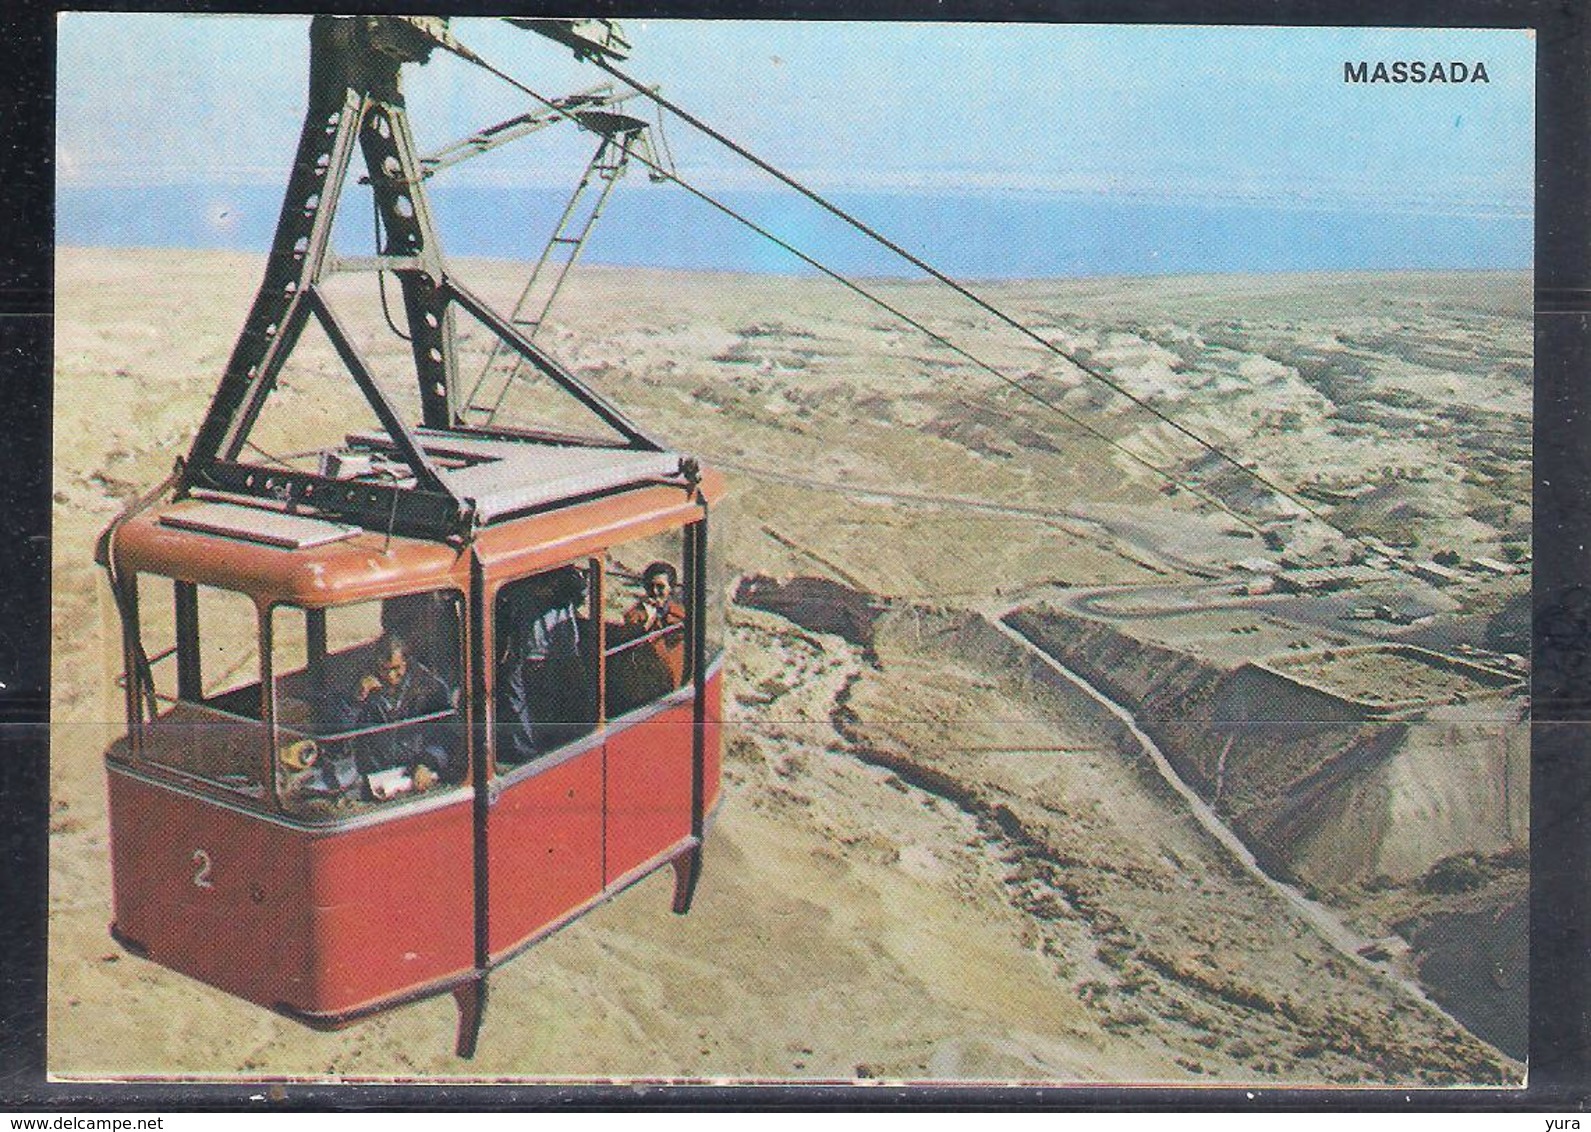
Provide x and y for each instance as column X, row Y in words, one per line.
column 667, row 175
column 959, row 288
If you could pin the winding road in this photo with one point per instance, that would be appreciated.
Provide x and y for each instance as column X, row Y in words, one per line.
column 1326, row 923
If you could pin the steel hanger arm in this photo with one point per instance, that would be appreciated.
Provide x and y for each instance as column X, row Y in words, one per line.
column 485, row 140
column 599, row 405
column 425, row 472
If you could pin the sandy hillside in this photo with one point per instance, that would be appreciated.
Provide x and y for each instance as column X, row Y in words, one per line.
column 922, row 869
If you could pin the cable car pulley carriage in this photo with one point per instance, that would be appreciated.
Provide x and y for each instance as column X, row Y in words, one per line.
column 395, row 717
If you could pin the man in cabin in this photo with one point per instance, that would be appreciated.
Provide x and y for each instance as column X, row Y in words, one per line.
column 655, row 665
column 660, row 609
column 544, row 696
column 429, row 622
column 398, row 689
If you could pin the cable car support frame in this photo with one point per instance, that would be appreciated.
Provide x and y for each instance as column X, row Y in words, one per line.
column 355, row 98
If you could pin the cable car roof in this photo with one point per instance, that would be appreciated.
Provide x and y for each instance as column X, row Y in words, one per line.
column 273, row 556
column 498, row 476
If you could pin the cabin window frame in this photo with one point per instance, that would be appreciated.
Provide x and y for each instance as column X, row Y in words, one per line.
column 680, row 557
column 316, row 639
column 496, row 727
column 598, row 580
column 144, row 710
column 261, row 790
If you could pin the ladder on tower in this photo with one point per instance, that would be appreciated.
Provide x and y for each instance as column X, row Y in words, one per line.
column 620, row 135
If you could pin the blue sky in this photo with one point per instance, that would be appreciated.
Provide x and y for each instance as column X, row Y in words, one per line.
column 1166, row 113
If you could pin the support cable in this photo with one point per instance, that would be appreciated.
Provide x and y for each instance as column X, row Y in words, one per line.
column 941, row 340
column 278, row 460
column 670, row 176
column 959, row 288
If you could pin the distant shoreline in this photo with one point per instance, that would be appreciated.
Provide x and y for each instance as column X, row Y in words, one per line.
column 1344, row 276
column 970, row 236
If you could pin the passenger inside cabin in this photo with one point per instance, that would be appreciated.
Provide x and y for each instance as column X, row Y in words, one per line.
column 544, row 690
column 390, row 759
column 654, row 665
column 659, row 608
column 429, row 622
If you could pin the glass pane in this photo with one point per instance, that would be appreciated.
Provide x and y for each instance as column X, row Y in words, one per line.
column 721, row 578
column 229, row 651
column 289, row 645
column 644, row 608
column 367, row 701
column 214, row 734
column 158, row 634
column 353, row 626
column 545, row 687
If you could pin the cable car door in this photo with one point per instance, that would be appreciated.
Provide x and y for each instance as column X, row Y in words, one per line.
column 648, row 780
column 544, row 825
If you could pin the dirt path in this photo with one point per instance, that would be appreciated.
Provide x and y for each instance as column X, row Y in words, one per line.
column 1322, row 919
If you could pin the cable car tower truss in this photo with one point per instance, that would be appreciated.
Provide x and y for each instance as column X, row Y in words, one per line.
column 356, row 99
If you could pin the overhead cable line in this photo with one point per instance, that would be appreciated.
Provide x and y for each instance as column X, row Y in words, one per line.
column 941, row 340
column 959, row 288
column 669, row 175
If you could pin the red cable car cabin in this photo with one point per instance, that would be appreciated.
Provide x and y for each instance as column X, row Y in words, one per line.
column 395, row 715
column 279, row 849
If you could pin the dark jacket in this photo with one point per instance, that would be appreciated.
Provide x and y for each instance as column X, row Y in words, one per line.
column 434, row 744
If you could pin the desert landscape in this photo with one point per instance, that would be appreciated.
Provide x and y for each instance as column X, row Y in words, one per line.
column 1040, row 766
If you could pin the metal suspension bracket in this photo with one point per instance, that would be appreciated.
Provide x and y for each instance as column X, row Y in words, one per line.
column 501, row 133
column 356, row 98
column 589, row 39
column 619, row 135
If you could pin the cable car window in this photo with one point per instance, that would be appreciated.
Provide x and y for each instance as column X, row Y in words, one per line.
column 156, row 641
column 367, row 701
column 645, row 611
column 197, row 683
column 229, row 651
column 720, row 579
column 545, row 684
